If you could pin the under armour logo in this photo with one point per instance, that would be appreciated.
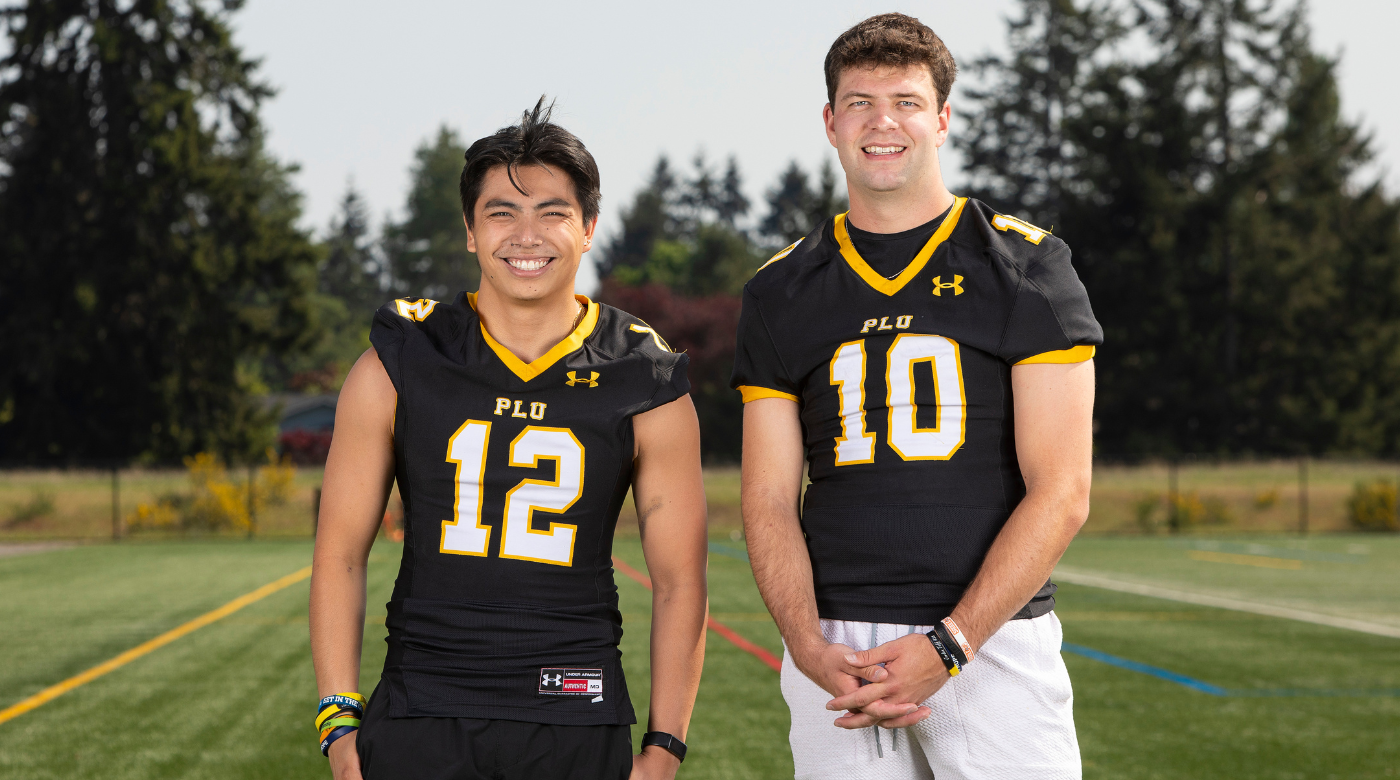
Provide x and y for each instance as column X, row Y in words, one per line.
column 939, row 285
column 591, row 380
column 553, row 679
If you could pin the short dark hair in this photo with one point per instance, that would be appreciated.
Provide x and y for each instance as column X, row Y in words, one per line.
column 535, row 141
column 892, row 40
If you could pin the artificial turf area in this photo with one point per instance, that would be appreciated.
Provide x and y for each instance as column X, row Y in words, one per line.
column 234, row 699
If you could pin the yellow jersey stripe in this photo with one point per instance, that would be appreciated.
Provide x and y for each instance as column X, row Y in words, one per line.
column 752, row 393
column 1071, row 355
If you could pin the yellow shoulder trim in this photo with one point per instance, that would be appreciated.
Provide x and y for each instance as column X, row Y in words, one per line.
column 1005, row 222
column 892, row 286
column 534, row 368
column 780, row 255
column 1071, row 355
column 752, row 393
column 415, row 310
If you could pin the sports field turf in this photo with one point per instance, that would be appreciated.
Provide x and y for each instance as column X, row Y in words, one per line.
column 234, row 699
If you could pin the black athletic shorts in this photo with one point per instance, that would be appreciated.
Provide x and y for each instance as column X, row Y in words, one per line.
column 479, row 749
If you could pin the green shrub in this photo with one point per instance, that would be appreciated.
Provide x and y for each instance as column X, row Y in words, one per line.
column 1372, row 506
column 39, row 505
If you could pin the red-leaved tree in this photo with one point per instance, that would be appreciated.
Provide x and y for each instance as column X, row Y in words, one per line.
column 703, row 327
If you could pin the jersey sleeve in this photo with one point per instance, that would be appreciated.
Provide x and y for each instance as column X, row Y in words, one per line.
column 673, row 379
column 758, row 368
column 1051, row 320
column 386, row 335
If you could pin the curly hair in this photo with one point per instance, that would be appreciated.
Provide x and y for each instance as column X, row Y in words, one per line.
column 891, row 40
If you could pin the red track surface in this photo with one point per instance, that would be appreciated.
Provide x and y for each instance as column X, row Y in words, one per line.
column 715, row 626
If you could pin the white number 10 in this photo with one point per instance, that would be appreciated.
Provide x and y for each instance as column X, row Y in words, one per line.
column 467, row 449
column 856, row 445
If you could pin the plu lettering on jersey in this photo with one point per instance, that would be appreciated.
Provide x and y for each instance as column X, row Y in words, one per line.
column 587, row 381
column 939, row 285
column 901, row 322
column 517, row 409
column 417, row 310
column 1032, row 233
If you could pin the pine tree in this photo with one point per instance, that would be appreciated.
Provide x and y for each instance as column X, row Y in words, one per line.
column 1243, row 309
column 649, row 219
column 151, row 259
column 427, row 252
column 795, row 208
column 351, row 270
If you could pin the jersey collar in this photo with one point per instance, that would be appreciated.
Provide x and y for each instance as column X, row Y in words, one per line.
column 534, row 368
column 892, row 286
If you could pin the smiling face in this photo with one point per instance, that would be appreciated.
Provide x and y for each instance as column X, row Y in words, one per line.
column 887, row 126
column 529, row 246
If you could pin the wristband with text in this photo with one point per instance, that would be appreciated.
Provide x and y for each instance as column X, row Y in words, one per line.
column 663, row 740
column 945, row 653
column 941, row 631
column 957, row 636
column 339, row 732
column 352, row 701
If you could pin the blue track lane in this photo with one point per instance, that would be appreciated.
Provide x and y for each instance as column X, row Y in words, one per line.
column 1215, row 690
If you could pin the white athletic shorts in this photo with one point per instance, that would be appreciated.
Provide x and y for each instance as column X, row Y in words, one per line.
column 1008, row 716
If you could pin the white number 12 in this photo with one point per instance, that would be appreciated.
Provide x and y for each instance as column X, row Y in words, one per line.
column 467, row 449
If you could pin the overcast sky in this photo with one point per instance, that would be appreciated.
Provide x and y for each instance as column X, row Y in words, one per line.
column 362, row 83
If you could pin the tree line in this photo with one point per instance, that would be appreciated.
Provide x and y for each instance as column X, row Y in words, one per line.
column 157, row 286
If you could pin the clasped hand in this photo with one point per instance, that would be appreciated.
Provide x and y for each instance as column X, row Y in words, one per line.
column 899, row 675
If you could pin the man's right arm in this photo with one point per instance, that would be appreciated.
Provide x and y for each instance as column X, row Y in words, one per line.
column 359, row 472
column 771, row 492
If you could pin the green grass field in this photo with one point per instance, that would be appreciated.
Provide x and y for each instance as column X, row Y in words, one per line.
column 234, row 699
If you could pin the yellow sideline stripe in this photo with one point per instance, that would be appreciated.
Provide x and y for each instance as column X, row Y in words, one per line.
column 54, row 691
column 1262, row 561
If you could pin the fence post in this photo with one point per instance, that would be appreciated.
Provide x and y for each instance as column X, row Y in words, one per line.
column 252, row 507
column 1173, row 502
column 116, row 504
column 1303, row 495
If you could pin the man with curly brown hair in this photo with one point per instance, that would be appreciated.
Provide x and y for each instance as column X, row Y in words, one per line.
column 932, row 359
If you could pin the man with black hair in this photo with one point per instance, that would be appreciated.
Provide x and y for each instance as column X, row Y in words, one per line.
column 932, row 361
column 514, row 419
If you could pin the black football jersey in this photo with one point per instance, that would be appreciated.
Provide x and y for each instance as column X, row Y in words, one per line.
column 512, row 475
column 904, row 385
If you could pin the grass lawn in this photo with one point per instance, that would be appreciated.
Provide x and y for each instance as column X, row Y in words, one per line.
column 234, row 699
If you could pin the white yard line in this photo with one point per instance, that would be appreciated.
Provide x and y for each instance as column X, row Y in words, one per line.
column 24, row 548
column 1094, row 580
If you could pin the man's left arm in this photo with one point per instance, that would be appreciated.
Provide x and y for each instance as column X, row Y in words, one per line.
column 669, row 493
column 1054, row 408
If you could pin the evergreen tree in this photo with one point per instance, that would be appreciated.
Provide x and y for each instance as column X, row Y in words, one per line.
column 351, row 270
column 795, row 207
column 151, row 259
column 682, row 234
column 731, row 203
column 649, row 219
column 427, row 252
column 1243, row 309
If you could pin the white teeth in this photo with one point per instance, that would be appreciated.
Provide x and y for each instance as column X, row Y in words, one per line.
column 883, row 149
column 528, row 264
